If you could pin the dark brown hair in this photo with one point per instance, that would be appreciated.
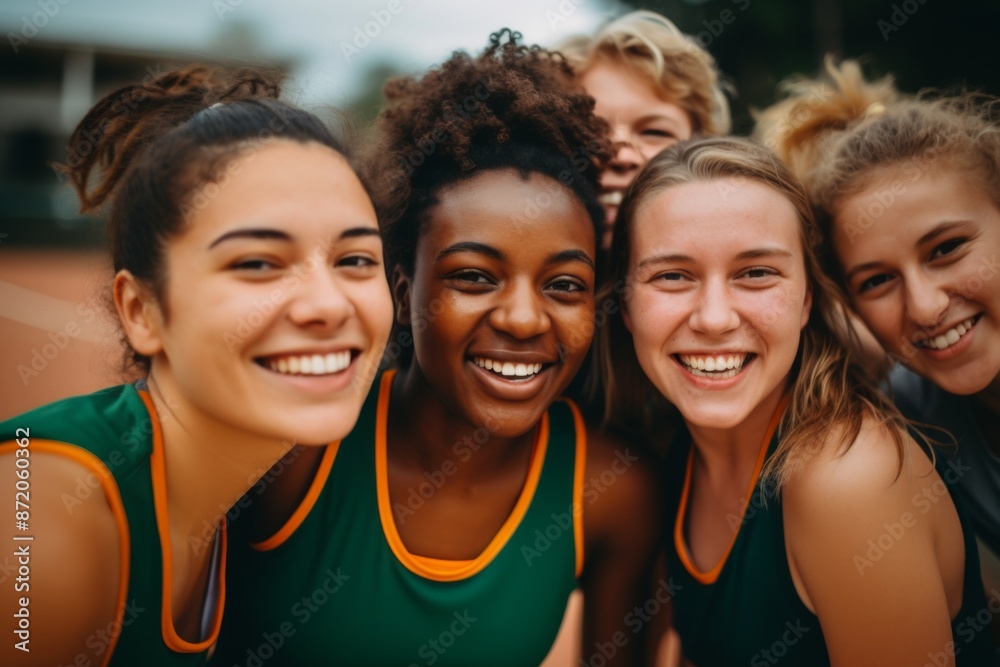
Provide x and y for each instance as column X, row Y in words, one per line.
column 147, row 149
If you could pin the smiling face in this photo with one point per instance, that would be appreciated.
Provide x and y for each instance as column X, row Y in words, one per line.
column 501, row 303
column 276, row 298
column 919, row 249
column 720, row 296
column 642, row 120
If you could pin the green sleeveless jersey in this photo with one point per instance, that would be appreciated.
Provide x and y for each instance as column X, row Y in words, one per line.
column 746, row 611
column 115, row 434
column 336, row 584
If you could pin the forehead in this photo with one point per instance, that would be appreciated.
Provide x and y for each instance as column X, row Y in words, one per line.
column 715, row 218
column 504, row 208
column 900, row 204
column 623, row 92
column 282, row 183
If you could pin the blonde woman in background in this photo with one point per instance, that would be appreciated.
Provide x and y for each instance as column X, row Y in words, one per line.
column 654, row 85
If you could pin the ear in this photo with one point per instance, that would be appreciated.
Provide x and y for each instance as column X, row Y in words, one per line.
column 139, row 313
column 626, row 316
column 401, row 296
column 806, row 307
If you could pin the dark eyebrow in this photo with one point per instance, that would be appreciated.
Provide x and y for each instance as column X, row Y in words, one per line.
column 253, row 233
column 277, row 234
column 757, row 253
column 943, row 228
column 570, row 256
column 471, row 246
column 358, row 232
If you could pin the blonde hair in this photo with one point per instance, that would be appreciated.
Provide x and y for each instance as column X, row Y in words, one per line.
column 675, row 65
column 830, row 389
column 835, row 131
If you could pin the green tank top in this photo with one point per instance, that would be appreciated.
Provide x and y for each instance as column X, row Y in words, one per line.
column 747, row 611
column 115, row 434
column 336, row 585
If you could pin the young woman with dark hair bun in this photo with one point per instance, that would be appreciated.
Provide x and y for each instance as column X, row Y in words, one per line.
column 251, row 294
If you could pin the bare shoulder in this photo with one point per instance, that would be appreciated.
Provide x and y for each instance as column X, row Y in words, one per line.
column 860, row 548
column 620, row 481
column 68, row 575
column 871, row 465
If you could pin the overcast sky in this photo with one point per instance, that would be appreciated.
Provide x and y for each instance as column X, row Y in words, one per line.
column 322, row 37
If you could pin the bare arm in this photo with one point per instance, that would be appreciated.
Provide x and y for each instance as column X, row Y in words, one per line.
column 886, row 607
column 622, row 525
column 67, row 577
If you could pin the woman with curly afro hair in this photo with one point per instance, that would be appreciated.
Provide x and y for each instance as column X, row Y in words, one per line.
column 453, row 523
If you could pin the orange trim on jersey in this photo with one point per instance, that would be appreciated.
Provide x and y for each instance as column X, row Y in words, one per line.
column 158, row 471
column 579, row 472
column 113, row 495
column 302, row 511
column 440, row 564
column 434, row 568
column 682, row 552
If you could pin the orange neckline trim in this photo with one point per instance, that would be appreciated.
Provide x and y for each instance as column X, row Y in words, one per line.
column 712, row 575
column 302, row 511
column 434, row 568
column 158, row 469
column 113, row 495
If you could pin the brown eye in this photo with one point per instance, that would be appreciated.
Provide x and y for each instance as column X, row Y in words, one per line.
column 947, row 248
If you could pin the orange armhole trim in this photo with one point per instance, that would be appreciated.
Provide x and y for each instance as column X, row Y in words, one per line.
column 712, row 575
column 302, row 511
column 114, row 498
column 157, row 466
column 579, row 472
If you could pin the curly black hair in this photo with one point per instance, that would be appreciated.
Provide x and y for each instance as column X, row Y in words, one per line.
column 513, row 106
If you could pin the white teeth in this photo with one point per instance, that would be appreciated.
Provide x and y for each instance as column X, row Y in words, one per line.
column 311, row 364
column 507, row 368
column 613, row 198
column 949, row 337
column 719, row 366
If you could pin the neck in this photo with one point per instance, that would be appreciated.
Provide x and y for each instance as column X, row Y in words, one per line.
column 725, row 454
column 427, row 433
column 209, row 464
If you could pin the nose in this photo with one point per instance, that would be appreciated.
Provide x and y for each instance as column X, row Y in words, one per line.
column 318, row 301
column 520, row 311
column 926, row 301
column 714, row 312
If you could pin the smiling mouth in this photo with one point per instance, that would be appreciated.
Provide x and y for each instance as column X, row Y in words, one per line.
column 949, row 337
column 718, row 366
column 308, row 364
column 612, row 198
column 508, row 369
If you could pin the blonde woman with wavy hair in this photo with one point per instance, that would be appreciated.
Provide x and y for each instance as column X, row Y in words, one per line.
column 654, row 85
column 805, row 525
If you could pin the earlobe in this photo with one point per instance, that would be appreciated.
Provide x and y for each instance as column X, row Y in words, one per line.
column 139, row 314
column 401, row 296
column 626, row 318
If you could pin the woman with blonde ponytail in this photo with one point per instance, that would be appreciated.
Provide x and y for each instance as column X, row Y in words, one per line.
column 252, row 299
column 908, row 192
